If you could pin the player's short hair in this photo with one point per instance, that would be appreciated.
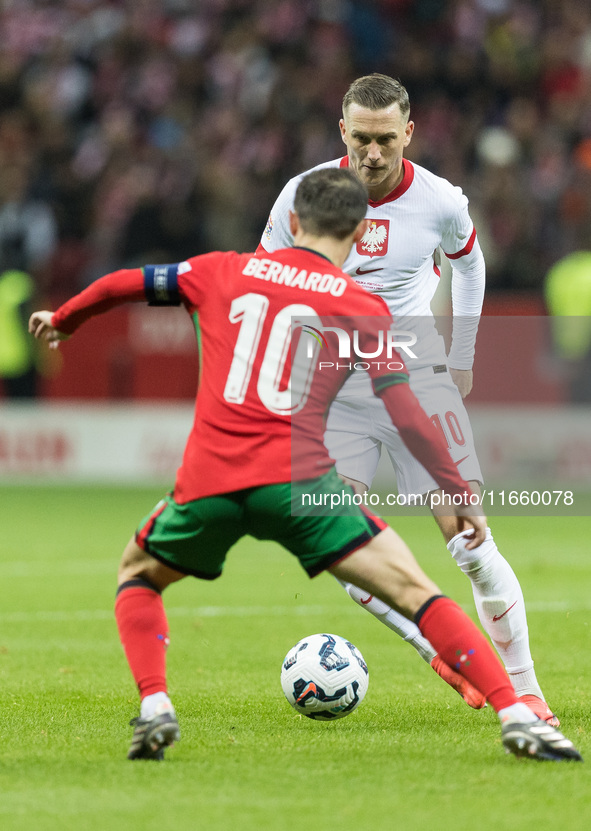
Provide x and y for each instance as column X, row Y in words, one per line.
column 376, row 92
column 330, row 202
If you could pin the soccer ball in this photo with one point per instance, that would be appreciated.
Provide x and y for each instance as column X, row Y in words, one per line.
column 324, row 677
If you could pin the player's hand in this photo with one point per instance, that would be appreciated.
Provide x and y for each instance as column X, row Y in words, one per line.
column 476, row 524
column 463, row 379
column 41, row 327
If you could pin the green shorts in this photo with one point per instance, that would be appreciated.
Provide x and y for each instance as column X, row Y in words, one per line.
column 194, row 538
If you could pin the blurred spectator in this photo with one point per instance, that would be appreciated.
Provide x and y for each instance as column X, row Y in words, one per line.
column 27, row 225
column 568, row 296
column 18, row 374
column 155, row 129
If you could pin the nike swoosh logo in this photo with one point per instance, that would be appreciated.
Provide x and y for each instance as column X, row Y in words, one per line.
column 365, row 602
column 361, row 271
column 463, row 459
column 498, row 617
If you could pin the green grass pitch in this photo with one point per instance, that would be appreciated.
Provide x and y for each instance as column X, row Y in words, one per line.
column 412, row 757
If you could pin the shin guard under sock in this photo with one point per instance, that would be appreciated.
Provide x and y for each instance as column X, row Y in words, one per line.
column 143, row 630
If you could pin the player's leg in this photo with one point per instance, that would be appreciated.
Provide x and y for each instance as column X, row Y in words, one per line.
column 143, row 631
column 184, row 539
column 141, row 620
column 410, row 632
column 407, row 630
column 358, row 547
column 496, row 589
column 357, row 453
column 385, row 567
column 501, row 609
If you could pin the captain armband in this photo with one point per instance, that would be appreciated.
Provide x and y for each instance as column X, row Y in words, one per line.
column 161, row 285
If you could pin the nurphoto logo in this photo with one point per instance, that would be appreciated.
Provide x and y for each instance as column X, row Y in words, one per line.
column 390, row 343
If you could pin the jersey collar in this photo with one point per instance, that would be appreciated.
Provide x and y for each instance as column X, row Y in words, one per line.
column 407, row 177
column 312, row 251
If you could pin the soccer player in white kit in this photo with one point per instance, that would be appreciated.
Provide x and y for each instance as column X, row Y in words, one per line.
column 412, row 214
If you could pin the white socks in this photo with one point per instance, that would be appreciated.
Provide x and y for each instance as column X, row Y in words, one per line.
column 499, row 603
column 155, row 704
column 518, row 714
column 501, row 608
column 407, row 629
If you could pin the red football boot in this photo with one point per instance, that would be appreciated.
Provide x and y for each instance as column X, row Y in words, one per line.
column 470, row 694
column 541, row 709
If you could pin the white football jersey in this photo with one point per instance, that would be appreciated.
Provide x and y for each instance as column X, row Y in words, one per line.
column 395, row 258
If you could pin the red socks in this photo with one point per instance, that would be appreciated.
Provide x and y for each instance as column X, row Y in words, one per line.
column 464, row 648
column 143, row 631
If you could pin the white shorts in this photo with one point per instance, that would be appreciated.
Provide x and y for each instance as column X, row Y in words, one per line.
column 358, row 426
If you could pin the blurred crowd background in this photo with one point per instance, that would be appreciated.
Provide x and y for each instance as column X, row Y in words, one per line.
column 136, row 131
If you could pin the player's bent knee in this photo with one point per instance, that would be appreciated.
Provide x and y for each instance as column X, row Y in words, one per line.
column 475, row 558
column 448, row 525
column 135, row 562
column 132, row 561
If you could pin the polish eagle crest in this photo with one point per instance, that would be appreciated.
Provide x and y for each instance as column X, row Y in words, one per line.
column 373, row 239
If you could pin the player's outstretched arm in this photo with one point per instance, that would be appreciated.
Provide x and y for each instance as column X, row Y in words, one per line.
column 41, row 327
column 123, row 286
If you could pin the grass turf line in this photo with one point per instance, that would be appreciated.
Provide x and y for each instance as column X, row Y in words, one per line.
column 412, row 756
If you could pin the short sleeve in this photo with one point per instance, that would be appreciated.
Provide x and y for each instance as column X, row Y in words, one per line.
column 277, row 234
column 458, row 234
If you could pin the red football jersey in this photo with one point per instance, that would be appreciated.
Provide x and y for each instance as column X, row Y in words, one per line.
column 242, row 433
column 278, row 335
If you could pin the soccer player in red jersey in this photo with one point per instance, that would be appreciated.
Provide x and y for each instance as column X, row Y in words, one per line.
column 239, row 475
column 413, row 213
